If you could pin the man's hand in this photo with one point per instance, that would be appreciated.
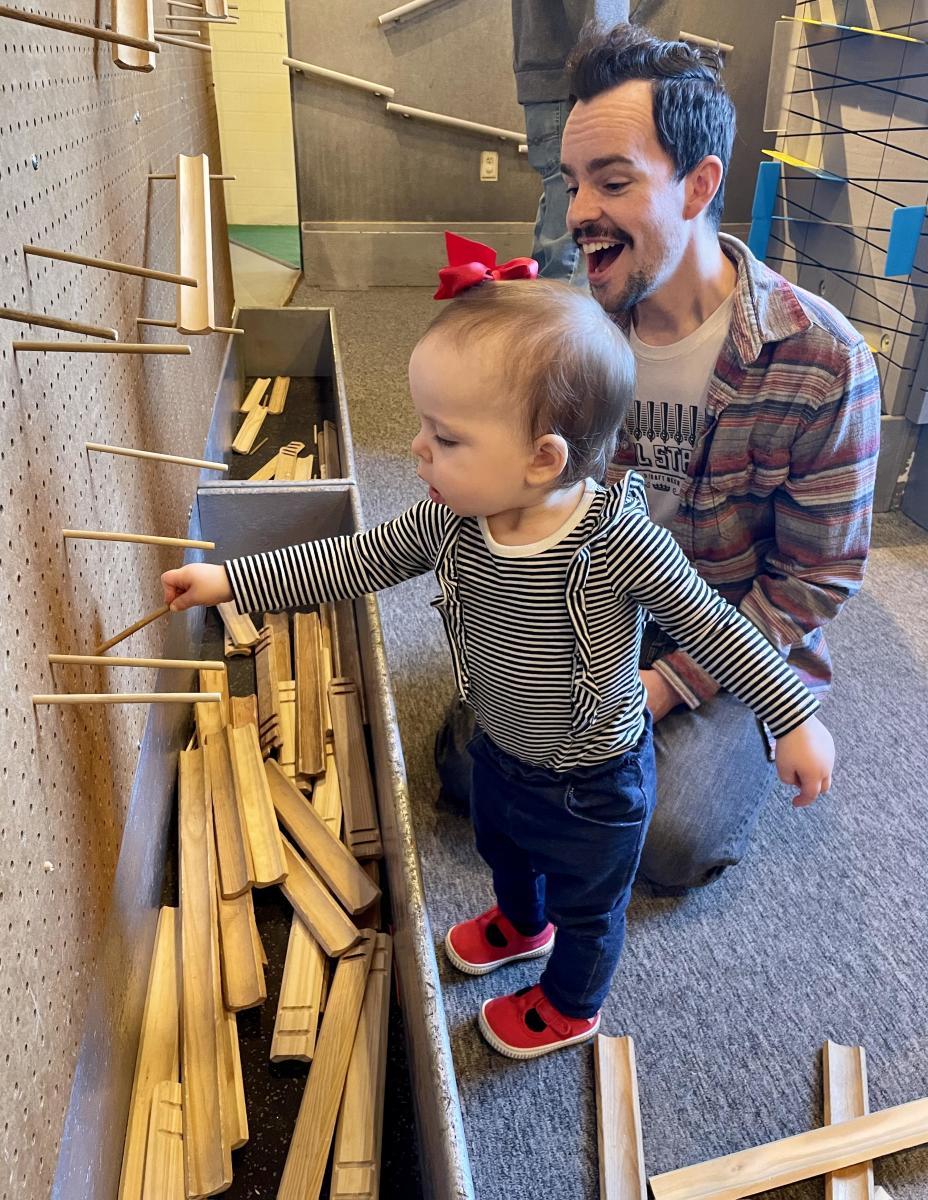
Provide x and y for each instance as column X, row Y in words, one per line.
column 196, row 583
column 805, row 758
column 661, row 696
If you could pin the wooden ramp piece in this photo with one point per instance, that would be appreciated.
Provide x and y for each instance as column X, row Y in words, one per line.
column 236, row 871
column 300, row 997
column 362, row 827
column 239, row 626
column 243, row 710
column 158, row 1054
column 312, row 900
column 268, row 681
column 243, row 984
column 327, row 796
column 279, row 394
column 195, row 306
column 255, row 395
column 249, row 429
column 287, row 751
column 802, row 1156
column 845, row 1089
column 164, row 1157
column 136, row 18
column 255, row 801
column 358, row 1138
column 279, row 625
column 207, row 1164
column 315, row 1123
column 325, row 853
column 236, row 1091
column 618, row 1121
column 310, row 730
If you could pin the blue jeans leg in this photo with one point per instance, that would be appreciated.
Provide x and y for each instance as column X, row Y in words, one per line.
column 571, row 841
column 556, row 252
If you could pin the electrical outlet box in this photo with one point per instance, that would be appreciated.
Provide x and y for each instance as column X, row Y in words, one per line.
column 489, row 166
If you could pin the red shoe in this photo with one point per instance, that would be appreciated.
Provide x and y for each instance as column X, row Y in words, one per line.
column 490, row 941
column 526, row 1025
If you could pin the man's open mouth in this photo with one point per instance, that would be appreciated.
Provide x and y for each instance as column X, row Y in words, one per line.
column 601, row 255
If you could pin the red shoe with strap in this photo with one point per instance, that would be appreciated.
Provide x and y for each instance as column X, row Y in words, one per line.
column 484, row 943
column 526, row 1025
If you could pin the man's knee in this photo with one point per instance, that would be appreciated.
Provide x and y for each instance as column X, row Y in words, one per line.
column 673, row 860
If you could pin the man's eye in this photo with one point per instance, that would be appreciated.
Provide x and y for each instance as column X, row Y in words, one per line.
column 444, row 441
column 615, row 187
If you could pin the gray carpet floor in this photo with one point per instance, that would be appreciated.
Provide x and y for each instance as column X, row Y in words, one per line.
column 822, row 932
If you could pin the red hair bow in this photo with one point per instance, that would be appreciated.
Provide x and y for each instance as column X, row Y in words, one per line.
column 470, row 263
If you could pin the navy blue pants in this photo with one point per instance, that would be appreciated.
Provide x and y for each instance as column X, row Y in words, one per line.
column 564, row 847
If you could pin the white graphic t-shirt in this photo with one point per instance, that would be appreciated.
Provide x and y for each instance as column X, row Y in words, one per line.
column 666, row 418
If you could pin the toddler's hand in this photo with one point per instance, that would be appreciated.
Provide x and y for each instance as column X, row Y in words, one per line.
column 196, row 583
column 805, row 758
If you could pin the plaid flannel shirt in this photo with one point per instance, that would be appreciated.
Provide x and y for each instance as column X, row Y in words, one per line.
column 776, row 510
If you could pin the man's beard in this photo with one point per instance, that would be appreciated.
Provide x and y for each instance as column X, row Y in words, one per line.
column 638, row 286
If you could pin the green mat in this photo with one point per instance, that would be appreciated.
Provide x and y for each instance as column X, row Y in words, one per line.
column 281, row 242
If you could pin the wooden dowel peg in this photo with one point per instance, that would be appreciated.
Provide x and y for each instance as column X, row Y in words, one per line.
column 140, row 624
column 125, row 698
column 213, row 177
column 97, row 348
column 173, row 41
column 180, row 460
column 107, row 264
column 170, row 664
column 91, row 31
column 160, row 33
column 31, row 318
column 147, row 539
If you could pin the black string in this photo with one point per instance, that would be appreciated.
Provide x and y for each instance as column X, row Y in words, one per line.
column 855, row 83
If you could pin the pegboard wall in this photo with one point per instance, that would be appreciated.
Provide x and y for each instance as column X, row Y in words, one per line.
column 857, row 106
column 78, row 138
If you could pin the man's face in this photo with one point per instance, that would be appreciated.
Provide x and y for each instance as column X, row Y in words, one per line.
column 623, row 192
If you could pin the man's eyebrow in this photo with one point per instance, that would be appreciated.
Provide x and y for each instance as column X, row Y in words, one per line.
column 597, row 164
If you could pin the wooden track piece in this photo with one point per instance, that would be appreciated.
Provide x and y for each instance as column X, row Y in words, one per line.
column 243, row 984
column 307, row 658
column 371, row 918
column 359, row 1135
column 287, row 751
column 327, row 795
column 279, row 625
column 337, row 867
column 207, row 1164
column 315, row 1124
column 268, row 690
column 346, row 650
column 303, row 468
column 845, row 1092
column 158, row 1055
column 255, row 801
column 803, row 1156
column 255, row 395
column 135, row 17
column 164, row 1155
column 240, row 627
column 230, row 650
column 227, row 1116
column 237, row 1097
column 362, row 828
column 618, row 1124
column 268, row 471
column 314, row 904
column 217, row 681
column 195, row 306
column 248, row 431
column 300, row 1001
column 278, row 399
column 233, row 851
column 243, row 710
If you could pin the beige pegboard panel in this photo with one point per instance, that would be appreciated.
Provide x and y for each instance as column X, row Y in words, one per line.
column 78, row 138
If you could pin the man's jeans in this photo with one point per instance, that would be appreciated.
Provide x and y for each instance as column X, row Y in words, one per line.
column 564, row 847
column 557, row 254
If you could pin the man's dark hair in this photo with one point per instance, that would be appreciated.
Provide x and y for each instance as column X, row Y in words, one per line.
column 693, row 113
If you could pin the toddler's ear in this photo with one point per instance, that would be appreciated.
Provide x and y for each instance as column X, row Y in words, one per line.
column 548, row 460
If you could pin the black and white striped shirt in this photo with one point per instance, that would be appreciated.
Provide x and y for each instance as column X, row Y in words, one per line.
column 545, row 638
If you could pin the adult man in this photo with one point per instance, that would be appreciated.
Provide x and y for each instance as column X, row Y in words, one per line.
column 543, row 34
column 756, row 427
column 756, row 424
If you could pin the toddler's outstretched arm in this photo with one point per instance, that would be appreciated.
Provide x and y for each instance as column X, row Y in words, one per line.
column 195, row 583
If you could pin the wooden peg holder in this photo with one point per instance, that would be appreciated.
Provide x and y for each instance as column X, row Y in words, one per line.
column 164, row 1154
column 300, row 1003
column 362, row 826
column 268, row 683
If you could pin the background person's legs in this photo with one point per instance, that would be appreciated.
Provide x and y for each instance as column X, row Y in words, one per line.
column 557, row 254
